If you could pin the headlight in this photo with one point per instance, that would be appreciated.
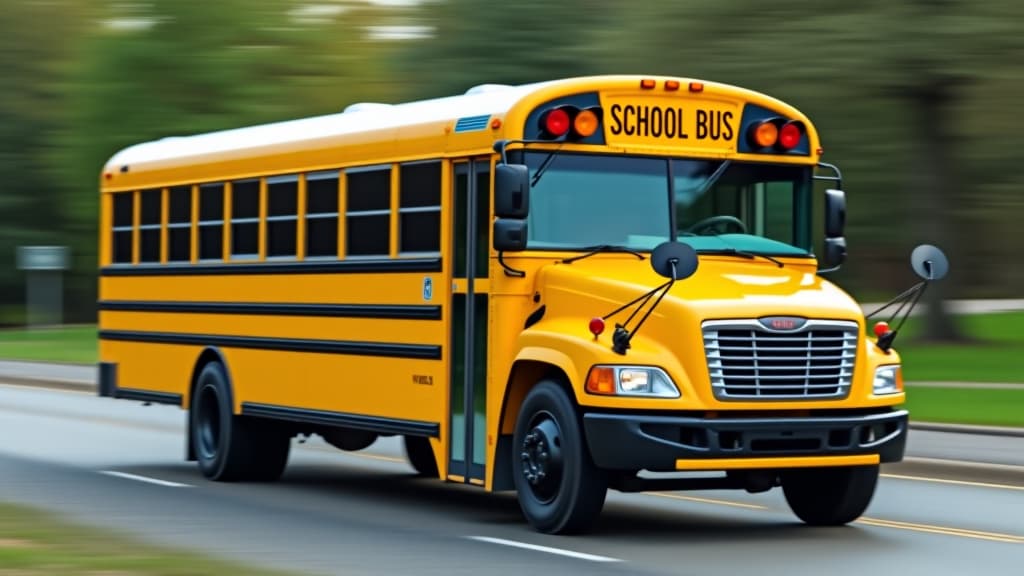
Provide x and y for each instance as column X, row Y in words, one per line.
column 631, row 381
column 888, row 380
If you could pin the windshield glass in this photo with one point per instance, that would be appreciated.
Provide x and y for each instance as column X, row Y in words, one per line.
column 639, row 202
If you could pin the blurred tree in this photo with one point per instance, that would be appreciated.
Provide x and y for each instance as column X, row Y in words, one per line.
column 178, row 67
column 492, row 41
column 886, row 83
column 32, row 57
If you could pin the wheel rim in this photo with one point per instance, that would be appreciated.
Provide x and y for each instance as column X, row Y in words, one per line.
column 209, row 423
column 541, row 456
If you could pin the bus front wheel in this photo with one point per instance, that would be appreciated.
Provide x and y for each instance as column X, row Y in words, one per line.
column 829, row 496
column 559, row 488
column 229, row 447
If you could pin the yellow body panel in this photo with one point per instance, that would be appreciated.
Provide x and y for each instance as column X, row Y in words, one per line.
column 417, row 389
column 777, row 463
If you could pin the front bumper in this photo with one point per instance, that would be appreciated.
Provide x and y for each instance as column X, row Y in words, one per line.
column 664, row 443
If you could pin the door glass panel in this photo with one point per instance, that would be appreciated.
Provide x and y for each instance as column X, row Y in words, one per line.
column 483, row 221
column 459, row 234
column 479, row 377
column 457, row 446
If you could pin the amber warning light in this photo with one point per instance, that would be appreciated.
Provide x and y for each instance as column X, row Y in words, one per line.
column 776, row 133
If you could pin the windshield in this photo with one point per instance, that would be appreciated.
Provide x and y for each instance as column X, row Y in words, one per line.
column 585, row 200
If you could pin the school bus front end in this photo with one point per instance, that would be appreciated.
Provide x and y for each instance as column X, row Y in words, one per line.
column 678, row 310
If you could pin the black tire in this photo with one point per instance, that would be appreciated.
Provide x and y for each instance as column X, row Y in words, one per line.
column 421, row 456
column 560, row 490
column 229, row 447
column 829, row 496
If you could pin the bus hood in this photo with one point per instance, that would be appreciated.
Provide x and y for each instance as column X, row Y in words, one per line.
column 722, row 287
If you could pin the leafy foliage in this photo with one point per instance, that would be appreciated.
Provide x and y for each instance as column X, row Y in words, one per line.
column 916, row 101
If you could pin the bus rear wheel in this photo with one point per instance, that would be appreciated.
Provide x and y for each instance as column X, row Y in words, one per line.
column 421, row 456
column 560, row 491
column 229, row 447
column 829, row 496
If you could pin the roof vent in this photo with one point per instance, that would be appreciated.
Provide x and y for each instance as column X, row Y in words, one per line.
column 365, row 106
column 484, row 88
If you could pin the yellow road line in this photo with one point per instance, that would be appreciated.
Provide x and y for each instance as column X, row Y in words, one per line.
column 376, row 457
column 964, row 533
column 708, row 501
column 955, row 482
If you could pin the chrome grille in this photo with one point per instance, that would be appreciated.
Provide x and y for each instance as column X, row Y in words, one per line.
column 749, row 361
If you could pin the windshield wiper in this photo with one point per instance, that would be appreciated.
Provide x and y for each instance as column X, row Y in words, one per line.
column 591, row 250
column 743, row 254
column 544, row 165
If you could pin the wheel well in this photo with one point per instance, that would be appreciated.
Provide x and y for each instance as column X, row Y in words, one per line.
column 525, row 375
column 208, row 356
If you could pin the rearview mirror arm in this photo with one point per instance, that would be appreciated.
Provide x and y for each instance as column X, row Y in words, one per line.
column 509, row 271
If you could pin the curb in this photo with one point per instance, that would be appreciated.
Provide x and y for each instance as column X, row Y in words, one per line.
column 69, row 385
column 1008, row 431
column 968, row 429
column 937, row 469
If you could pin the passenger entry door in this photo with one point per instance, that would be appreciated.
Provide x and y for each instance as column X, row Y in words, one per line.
column 471, row 224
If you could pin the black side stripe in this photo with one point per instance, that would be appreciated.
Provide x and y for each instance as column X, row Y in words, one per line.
column 314, row 267
column 380, row 311
column 359, row 421
column 147, row 396
column 283, row 344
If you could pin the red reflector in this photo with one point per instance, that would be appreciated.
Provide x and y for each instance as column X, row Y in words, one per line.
column 790, row 135
column 596, row 326
column 556, row 122
column 696, row 86
column 881, row 328
column 647, row 84
column 496, row 123
column 671, row 85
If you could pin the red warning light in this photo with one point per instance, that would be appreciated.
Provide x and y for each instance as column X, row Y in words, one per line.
column 790, row 135
column 881, row 328
column 556, row 122
column 596, row 326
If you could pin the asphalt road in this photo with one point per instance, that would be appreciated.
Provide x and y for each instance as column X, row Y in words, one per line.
column 118, row 465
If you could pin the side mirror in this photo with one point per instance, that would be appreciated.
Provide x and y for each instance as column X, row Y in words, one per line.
column 674, row 260
column 511, row 190
column 835, row 213
column 509, row 235
column 929, row 262
column 835, row 254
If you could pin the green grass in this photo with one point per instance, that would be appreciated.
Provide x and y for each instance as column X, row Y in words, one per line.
column 993, row 407
column 34, row 543
column 67, row 344
column 995, row 355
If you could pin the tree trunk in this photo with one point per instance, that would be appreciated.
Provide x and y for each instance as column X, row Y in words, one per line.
column 937, row 187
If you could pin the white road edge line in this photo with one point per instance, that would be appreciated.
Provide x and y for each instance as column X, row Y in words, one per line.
column 549, row 550
column 145, row 479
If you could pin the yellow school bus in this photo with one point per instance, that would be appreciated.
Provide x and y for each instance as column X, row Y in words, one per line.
column 547, row 288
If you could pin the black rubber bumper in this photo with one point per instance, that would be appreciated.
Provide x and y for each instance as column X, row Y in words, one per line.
column 650, row 442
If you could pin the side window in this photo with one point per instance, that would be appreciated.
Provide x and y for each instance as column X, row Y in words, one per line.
column 150, row 225
column 211, row 222
column 245, row 219
column 282, row 216
column 322, row 215
column 420, row 208
column 368, row 219
column 179, row 224
column 124, row 210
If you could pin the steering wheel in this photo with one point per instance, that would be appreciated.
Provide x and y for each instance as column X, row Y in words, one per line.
column 713, row 222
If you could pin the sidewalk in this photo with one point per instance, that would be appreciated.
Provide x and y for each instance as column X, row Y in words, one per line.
column 960, row 306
